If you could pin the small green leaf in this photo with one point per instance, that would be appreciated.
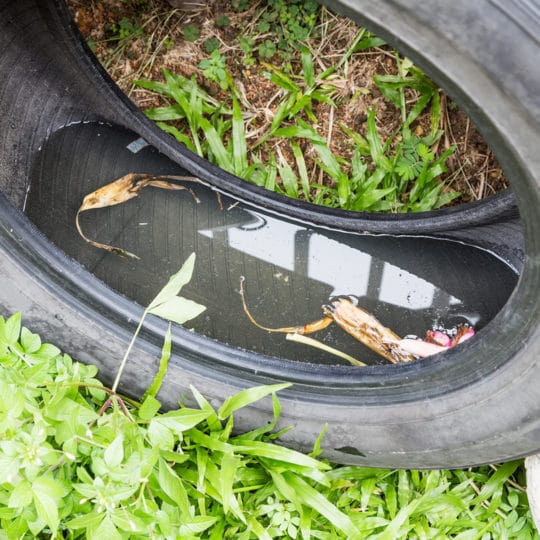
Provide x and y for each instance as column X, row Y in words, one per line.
column 181, row 420
column 216, row 146
column 106, row 529
column 239, row 140
column 46, row 492
column 160, row 435
column 21, row 496
column 195, row 525
column 177, row 309
column 290, row 182
column 93, row 519
column 308, row 69
column 10, row 330
column 114, row 453
column 497, row 480
column 302, row 169
column 175, row 283
column 149, row 408
column 279, row 453
column 213, row 421
column 229, row 465
column 311, row 497
column 31, row 342
column 173, row 486
column 172, row 112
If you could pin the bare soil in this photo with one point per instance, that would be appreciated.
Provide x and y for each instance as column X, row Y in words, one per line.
column 158, row 42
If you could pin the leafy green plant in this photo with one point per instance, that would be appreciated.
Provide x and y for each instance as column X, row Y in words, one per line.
column 399, row 174
column 211, row 44
column 125, row 29
column 167, row 305
column 267, row 49
column 290, row 23
column 79, row 461
column 191, row 32
column 215, row 69
column 247, row 46
column 223, row 21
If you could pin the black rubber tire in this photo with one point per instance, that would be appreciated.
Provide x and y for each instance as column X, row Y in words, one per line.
column 477, row 404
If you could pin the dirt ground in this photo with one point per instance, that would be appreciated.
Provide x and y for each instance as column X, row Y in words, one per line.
column 135, row 39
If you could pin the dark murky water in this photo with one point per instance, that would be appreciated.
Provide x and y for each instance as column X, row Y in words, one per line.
column 291, row 269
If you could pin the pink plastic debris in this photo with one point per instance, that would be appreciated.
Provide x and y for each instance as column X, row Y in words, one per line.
column 436, row 341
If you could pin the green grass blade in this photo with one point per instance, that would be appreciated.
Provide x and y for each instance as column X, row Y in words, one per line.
column 372, row 135
column 260, row 532
column 418, row 108
column 368, row 198
column 229, row 465
column 329, row 162
column 154, row 387
column 239, row 140
column 503, row 473
column 312, row 498
column 172, row 112
column 247, row 397
column 270, row 174
column 308, row 69
column 301, row 131
column 302, row 169
column 178, row 135
column 213, row 421
column 158, row 87
column 256, row 433
column 435, row 120
column 216, row 146
column 279, row 78
column 289, row 179
column 360, row 143
column 278, row 453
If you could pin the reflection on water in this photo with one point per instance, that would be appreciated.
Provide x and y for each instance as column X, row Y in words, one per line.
column 291, row 269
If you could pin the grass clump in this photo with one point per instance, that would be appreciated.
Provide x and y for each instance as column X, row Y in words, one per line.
column 80, row 461
column 288, row 154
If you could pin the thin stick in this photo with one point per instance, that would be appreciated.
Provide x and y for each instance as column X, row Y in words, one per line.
column 305, row 329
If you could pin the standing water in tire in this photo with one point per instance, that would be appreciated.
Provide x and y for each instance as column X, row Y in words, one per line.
column 410, row 284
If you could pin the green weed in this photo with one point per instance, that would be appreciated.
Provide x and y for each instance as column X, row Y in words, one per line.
column 290, row 22
column 79, row 461
column 399, row 174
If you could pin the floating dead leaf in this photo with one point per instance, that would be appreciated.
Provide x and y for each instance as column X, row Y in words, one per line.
column 367, row 329
column 125, row 188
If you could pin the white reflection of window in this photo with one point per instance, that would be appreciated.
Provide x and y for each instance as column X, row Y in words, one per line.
column 270, row 240
column 344, row 268
column 402, row 288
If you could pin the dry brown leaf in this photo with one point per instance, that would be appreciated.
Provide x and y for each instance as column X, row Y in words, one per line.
column 125, row 188
column 367, row 329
